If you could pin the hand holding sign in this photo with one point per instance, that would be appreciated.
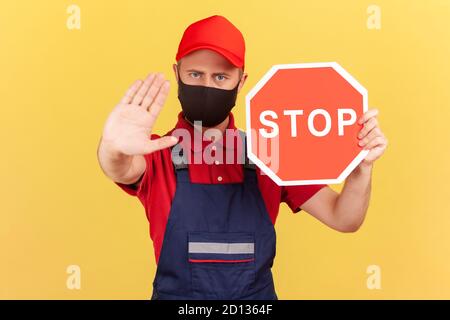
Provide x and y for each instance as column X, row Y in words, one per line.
column 371, row 137
column 311, row 111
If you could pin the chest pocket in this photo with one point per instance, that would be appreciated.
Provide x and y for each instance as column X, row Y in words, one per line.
column 222, row 264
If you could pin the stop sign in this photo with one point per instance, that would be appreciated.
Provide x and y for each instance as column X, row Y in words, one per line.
column 302, row 123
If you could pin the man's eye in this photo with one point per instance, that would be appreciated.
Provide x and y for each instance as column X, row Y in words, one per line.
column 195, row 74
column 220, row 77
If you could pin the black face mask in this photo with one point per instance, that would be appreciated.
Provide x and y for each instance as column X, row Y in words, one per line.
column 209, row 105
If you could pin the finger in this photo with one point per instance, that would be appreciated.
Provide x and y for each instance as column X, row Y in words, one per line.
column 160, row 143
column 368, row 126
column 374, row 154
column 370, row 136
column 129, row 95
column 153, row 91
column 143, row 89
column 159, row 101
column 369, row 114
column 375, row 142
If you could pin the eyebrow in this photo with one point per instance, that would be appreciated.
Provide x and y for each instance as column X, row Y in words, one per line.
column 201, row 72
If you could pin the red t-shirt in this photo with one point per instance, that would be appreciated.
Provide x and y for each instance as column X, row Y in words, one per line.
column 157, row 187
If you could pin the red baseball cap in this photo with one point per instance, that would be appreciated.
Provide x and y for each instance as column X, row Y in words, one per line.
column 214, row 33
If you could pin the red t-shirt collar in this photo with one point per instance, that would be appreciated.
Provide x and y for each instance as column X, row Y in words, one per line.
column 182, row 123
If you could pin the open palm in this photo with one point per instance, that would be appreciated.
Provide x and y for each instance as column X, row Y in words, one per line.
column 129, row 125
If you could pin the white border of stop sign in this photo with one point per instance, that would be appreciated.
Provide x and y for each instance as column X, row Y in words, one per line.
column 352, row 81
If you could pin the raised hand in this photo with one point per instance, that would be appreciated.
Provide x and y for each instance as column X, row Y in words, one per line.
column 127, row 129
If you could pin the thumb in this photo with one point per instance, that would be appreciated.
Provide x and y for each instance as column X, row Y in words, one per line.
column 160, row 143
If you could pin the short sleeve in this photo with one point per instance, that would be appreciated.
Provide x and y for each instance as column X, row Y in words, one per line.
column 295, row 196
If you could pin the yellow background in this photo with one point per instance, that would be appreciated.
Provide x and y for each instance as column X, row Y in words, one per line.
column 57, row 87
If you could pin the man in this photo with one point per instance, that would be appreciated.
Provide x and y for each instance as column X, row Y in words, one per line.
column 212, row 223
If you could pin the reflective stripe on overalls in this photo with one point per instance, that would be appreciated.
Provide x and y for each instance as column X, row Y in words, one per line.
column 219, row 241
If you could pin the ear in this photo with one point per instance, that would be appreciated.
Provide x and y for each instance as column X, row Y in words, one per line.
column 175, row 70
column 243, row 79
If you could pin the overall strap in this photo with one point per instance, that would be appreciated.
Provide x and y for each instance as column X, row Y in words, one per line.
column 179, row 158
column 247, row 163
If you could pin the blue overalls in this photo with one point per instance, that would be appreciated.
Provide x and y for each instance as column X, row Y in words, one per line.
column 219, row 241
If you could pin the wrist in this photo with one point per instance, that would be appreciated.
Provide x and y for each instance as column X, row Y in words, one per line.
column 109, row 149
column 365, row 167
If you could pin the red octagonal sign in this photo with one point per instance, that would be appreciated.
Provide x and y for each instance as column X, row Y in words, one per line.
column 302, row 123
